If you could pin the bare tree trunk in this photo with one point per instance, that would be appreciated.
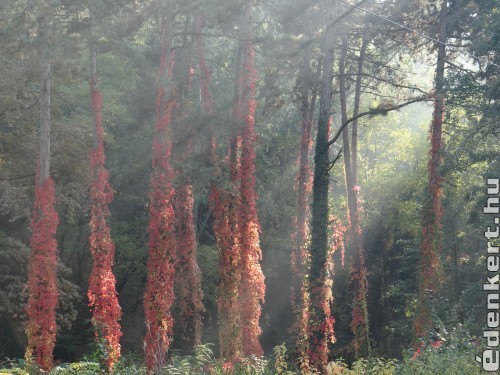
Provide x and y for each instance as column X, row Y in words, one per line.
column 357, row 100
column 45, row 70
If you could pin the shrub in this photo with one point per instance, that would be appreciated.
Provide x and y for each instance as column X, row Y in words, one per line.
column 454, row 355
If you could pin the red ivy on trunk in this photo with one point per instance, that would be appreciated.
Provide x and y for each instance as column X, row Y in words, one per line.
column 300, row 239
column 42, row 277
column 225, row 206
column 252, row 287
column 159, row 295
column 323, row 331
column 102, row 295
column 188, row 281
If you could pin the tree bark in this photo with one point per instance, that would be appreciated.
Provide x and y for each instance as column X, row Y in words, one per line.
column 106, row 311
column 45, row 70
column 159, row 293
column 42, row 264
column 431, row 272
column 359, row 319
column 300, row 252
column 252, row 287
column 321, row 323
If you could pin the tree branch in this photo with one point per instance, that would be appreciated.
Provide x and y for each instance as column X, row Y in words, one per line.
column 376, row 111
column 388, row 81
column 332, row 163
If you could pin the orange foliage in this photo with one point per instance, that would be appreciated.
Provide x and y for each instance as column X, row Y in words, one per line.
column 42, row 277
column 159, row 295
column 102, row 295
column 252, row 287
column 188, row 283
column 225, row 206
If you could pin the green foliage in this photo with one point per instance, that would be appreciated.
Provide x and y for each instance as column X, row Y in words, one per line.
column 365, row 366
column 280, row 361
column 455, row 356
column 393, row 153
column 197, row 363
column 78, row 368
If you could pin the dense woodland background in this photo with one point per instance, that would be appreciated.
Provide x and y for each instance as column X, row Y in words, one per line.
column 393, row 150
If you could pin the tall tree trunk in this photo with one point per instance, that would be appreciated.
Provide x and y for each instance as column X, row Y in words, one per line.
column 321, row 322
column 300, row 236
column 42, row 264
column 226, row 205
column 359, row 319
column 355, row 112
column 159, row 294
column 252, row 287
column 206, row 98
column 431, row 272
column 188, row 281
column 188, row 275
column 102, row 294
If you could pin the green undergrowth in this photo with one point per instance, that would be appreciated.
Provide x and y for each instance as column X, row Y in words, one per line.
column 455, row 355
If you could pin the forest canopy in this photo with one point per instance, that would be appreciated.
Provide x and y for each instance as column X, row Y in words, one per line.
column 272, row 186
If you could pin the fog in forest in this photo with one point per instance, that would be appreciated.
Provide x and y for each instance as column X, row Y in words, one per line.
column 274, row 185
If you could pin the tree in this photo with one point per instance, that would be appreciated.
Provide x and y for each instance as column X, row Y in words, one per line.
column 188, row 275
column 106, row 311
column 42, row 267
column 252, row 287
column 321, row 322
column 226, row 204
column 300, row 236
column 162, row 246
column 430, row 268
column 359, row 319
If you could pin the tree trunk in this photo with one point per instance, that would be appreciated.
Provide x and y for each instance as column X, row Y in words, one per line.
column 226, row 205
column 431, row 272
column 188, row 274
column 321, row 323
column 359, row 319
column 357, row 101
column 42, row 265
column 252, row 287
column 162, row 251
column 300, row 252
column 45, row 25
column 102, row 294
column 189, row 295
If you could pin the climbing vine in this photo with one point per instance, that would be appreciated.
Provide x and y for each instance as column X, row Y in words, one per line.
column 159, row 295
column 42, row 277
column 252, row 287
column 102, row 295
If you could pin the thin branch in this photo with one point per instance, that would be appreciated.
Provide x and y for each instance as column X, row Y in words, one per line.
column 377, row 111
column 388, row 81
column 335, row 160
